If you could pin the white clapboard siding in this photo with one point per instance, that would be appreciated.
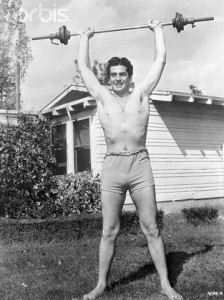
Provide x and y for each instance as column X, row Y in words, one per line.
column 99, row 143
column 185, row 146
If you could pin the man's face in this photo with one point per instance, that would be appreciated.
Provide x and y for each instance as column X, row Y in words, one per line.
column 119, row 79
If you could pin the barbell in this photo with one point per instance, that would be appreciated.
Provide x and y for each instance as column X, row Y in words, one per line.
column 63, row 35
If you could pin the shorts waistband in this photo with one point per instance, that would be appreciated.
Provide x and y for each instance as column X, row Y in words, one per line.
column 127, row 153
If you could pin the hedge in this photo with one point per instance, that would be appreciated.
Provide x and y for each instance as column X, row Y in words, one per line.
column 66, row 228
column 77, row 193
column 26, row 159
column 200, row 215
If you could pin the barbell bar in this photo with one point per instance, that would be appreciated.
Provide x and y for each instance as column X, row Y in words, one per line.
column 63, row 35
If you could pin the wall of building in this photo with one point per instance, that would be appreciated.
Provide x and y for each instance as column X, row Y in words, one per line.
column 185, row 144
column 11, row 116
column 7, row 116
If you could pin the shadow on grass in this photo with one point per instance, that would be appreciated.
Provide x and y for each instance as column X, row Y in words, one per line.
column 139, row 274
column 175, row 262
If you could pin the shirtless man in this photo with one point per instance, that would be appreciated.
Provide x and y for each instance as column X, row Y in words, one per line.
column 124, row 116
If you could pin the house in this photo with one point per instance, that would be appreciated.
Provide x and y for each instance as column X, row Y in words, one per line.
column 185, row 141
column 11, row 116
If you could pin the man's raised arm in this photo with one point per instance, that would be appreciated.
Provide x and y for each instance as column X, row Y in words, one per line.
column 91, row 82
column 153, row 76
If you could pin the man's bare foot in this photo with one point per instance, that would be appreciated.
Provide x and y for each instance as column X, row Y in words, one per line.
column 171, row 293
column 95, row 293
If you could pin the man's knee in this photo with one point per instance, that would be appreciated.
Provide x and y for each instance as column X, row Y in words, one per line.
column 150, row 229
column 110, row 232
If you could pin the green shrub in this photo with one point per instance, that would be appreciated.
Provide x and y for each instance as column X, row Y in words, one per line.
column 78, row 193
column 160, row 219
column 198, row 215
column 25, row 167
column 130, row 220
column 65, row 196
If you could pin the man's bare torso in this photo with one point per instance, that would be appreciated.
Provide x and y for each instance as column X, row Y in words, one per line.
column 124, row 121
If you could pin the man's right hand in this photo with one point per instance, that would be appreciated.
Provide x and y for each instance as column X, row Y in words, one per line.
column 89, row 32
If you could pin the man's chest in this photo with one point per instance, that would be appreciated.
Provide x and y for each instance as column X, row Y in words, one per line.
column 130, row 109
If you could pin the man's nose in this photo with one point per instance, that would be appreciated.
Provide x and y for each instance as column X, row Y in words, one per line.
column 118, row 78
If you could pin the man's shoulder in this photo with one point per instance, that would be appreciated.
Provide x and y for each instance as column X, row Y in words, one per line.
column 102, row 93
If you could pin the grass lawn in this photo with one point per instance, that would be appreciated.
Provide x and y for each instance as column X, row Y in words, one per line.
column 66, row 268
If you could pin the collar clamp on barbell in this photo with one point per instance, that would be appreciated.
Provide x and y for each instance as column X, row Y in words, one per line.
column 63, row 35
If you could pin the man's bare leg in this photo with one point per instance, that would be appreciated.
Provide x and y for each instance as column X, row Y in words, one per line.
column 112, row 204
column 145, row 202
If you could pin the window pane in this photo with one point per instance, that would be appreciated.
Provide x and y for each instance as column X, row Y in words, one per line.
column 83, row 159
column 82, row 145
column 81, row 133
column 60, row 151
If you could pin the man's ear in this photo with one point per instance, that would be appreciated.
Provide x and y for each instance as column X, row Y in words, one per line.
column 131, row 83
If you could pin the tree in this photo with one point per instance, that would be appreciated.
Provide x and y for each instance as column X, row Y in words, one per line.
column 195, row 90
column 14, row 46
column 77, row 79
column 99, row 69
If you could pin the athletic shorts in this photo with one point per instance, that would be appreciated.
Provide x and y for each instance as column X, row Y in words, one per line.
column 128, row 170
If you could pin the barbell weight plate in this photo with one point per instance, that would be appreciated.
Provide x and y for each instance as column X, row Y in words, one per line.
column 62, row 34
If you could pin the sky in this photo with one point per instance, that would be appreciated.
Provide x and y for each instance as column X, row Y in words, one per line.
column 194, row 56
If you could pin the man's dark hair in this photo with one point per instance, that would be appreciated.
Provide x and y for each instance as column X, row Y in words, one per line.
column 117, row 61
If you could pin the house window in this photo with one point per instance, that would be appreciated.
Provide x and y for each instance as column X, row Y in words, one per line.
column 82, row 145
column 59, row 148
